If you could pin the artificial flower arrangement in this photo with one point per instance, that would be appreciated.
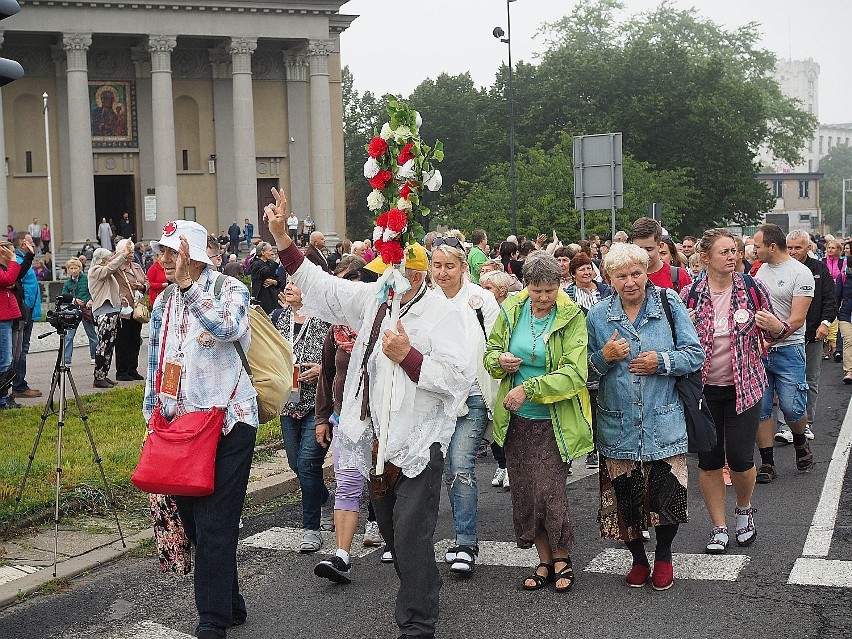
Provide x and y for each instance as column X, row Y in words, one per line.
column 399, row 168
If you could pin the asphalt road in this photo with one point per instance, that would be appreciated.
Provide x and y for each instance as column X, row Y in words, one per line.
column 131, row 598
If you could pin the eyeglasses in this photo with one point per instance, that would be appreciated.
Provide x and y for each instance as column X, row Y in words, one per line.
column 449, row 241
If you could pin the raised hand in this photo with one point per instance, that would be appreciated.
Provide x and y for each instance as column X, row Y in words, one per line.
column 275, row 215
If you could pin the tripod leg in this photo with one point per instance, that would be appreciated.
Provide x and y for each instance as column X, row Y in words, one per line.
column 44, row 415
column 85, row 418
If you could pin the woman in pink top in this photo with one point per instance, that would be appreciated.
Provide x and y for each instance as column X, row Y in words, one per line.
column 723, row 305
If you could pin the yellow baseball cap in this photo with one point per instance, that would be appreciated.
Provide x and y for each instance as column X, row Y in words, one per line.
column 420, row 261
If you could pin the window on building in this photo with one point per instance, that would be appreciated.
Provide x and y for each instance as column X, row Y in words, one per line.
column 810, row 107
column 804, row 217
column 778, row 188
column 820, row 145
column 29, row 161
column 804, row 189
column 810, row 166
column 810, row 146
column 185, row 159
column 829, row 143
column 847, row 141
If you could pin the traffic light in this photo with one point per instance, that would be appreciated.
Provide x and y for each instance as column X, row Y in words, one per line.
column 9, row 69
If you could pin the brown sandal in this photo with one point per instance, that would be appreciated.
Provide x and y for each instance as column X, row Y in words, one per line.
column 540, row 580
column 804, row 457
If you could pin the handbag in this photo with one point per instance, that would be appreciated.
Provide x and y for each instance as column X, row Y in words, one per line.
column 179, row 457
column 141, row 312
column 700, row 427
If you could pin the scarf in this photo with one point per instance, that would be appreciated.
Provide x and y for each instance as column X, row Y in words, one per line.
column 344, row 337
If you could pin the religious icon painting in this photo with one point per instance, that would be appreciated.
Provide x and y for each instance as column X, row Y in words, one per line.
column 112, row 106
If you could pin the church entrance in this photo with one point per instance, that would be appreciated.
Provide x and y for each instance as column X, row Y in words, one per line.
column 115, row 195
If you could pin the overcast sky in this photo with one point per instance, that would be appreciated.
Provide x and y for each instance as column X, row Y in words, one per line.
column 394, row 45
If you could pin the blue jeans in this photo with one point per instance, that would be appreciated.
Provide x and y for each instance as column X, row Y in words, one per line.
column 785, row 375
column 25, row 332
column 460, row 469
column 305, row 457
column 69, row 341
column 212, row 524
column 5, row 352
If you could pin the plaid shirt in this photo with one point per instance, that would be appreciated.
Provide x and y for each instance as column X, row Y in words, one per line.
column 746, row 349
column 226, row 320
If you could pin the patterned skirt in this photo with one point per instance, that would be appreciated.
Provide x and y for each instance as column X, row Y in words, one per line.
column 637, row 495
column 173, row 548
column 538, row 475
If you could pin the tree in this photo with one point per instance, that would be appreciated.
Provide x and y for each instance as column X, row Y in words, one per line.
column 687, row 94
column 362, row 117
column 837, row 166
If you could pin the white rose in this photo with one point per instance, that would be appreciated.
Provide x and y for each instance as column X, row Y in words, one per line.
column 401, row 133
column 403, row 205
column 375, row 200
column 371, row 168
column 433, row 180
column 386, row 132
column 418, row 121
column 406, row 171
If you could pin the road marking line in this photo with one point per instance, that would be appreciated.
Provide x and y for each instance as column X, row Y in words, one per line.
column 818, row 542
column 494, row 553
column 809, row 571
column 283, row 538
column 149, row 630
column 686, row 566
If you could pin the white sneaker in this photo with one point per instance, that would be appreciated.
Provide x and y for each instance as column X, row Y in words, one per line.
column 372, row 536
column 387, row 556
column 506, row 480
column 92, row 362
column 784, row 436
column 499, row 474
column 327, row 513
column 809, row 433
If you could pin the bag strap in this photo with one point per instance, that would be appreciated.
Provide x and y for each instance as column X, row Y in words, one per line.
column 363, row 381
column 674, row 273
column 481, row 319
column 217, row 289
column 692, row 298
column 753, row 291
column 667, row 309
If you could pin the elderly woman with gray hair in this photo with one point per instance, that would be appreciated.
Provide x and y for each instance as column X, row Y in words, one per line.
column 641, row 432
column 106, row 305
column 537, row 349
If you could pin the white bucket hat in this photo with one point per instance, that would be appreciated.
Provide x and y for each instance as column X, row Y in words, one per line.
column 195, row 234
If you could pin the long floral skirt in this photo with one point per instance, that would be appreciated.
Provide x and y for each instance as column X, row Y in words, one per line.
column 637, row 495
column 538, row 475
column 173, row 548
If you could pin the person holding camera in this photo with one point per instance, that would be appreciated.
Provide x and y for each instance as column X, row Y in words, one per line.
column 10, row 311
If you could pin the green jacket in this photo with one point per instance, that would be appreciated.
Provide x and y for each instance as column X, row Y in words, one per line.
column 80, row 289
column 563, row 387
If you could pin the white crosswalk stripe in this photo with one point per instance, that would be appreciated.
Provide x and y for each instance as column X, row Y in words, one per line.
column 686, row 566
column 494, row 553
column 10, row 573
column 284, row 538
column 148, row 630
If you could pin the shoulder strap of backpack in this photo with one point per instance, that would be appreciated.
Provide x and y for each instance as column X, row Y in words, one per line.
column 752, row 290
column 481, row 318
column 692, row 298
column 674, row 273
column 217, row 289
column 667, row 309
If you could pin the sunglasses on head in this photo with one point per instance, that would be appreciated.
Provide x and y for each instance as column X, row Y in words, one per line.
column 449, row 241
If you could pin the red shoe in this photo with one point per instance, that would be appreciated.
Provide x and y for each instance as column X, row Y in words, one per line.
column 663, row 577
column 638, row 576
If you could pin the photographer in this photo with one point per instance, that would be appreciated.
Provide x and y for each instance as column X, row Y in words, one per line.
column 9, row 312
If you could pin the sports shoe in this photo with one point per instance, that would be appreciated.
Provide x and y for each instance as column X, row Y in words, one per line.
column 372, row 536
column 334, row 569
column 838, row 356
column 327, row 513
column 506, row 481
column 592, row 460
column 451, row 553
column 765, row 474
column 387, row 556
column 638, row 576
column 465, row 560
column 663, row 577
column 497, row 480
column 809, row 434
column 311, row 541
column 92, row 362
column 847, row 378
column 784, row 436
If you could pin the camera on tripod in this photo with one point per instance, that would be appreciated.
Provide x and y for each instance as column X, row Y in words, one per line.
column 66, row 315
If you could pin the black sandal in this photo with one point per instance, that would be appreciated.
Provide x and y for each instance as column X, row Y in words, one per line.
column 567, row 572
column 540, row 580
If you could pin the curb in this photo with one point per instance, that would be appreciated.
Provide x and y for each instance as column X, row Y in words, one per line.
column 260, row 491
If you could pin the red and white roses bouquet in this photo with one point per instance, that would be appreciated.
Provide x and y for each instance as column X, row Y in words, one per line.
column 399, row 167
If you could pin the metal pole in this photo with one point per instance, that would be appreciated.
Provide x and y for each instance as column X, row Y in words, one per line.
column 53, row 235
column 612, row 181
column 512, row 172
column 843, row 211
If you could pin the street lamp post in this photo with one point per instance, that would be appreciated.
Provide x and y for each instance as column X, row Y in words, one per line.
column 499, row 33
column 53, row 234
column 847, row 186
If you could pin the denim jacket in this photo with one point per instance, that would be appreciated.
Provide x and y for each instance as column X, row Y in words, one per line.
column 640, row 417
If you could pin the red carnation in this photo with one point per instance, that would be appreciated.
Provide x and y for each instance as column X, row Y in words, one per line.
column 377, row 245
column 405, row 190
column 382, row 221
column 391, row 252
column 406, row 154
column 378, row 147
column 397, row 220
column 381, row 180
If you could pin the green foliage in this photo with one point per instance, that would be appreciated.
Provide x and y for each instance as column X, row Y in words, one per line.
column 836, row 166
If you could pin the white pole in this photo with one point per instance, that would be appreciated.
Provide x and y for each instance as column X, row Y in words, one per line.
column 53, row 235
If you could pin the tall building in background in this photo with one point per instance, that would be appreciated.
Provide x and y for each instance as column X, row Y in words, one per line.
column 192, row 109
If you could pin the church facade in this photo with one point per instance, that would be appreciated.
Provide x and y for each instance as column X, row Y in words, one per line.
column 193, row 109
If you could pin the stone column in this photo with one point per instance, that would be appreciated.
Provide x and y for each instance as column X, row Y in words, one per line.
column 245, row 160
column 163, row 115
column 77, row 226
column 299, row 156
column 322, row 170
column 4, row 200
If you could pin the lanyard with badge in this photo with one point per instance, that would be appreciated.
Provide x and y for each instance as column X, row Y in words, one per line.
column 168, row 376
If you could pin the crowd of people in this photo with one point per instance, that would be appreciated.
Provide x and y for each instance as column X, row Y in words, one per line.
column 551, row 353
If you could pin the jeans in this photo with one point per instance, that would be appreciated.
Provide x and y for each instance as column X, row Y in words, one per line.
column 305, row 457
column 69, row 341
column 407, row 518
column 5, row 353
column 785, row 374
column 460, row 469
column 212, row 524
column 24, row 332
column 813, row 366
